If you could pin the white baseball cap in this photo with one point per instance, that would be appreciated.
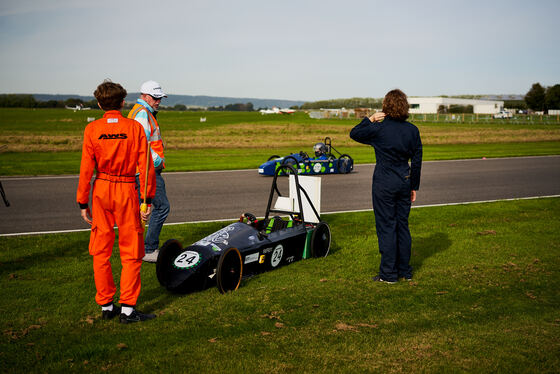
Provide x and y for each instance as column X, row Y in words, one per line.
column 152, row 88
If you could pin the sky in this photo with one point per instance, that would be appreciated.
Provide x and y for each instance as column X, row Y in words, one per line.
column 299, row 50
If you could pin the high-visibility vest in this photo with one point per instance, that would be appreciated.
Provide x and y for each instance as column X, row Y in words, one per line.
column 156, row 142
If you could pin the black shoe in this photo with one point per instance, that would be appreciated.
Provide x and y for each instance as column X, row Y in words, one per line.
column 408, row 279
column 110, row 314
column 136, row 316
column 377, row 278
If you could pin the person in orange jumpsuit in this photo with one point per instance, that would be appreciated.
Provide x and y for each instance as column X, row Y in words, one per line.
column 114, row 147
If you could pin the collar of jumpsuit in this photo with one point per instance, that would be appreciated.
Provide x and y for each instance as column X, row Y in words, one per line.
column 112, row 113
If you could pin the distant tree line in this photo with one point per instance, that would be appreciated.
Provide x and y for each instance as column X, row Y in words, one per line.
column 515, row 104
column 29, row 101
column 539, row 98
column 455, row 109
column 248, row 107
column 355, row 102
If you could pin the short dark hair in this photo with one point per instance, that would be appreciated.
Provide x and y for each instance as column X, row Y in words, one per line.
column 395, row 105
column 110, row 95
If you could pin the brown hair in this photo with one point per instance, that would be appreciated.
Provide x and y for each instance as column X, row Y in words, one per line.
column 395, row 105
column 110, row 95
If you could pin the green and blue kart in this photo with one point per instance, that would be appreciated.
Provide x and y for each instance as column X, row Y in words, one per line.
column 245, row 248
column 305, row 165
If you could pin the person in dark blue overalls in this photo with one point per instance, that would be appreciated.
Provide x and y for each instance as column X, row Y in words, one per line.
column 395, row 183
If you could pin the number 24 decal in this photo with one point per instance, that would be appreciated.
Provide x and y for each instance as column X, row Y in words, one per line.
column 187, row 259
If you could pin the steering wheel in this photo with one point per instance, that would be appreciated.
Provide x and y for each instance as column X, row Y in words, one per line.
column 304, row 155
column 250, row 217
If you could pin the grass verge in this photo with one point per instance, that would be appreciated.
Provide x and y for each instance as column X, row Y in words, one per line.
column 485, row 298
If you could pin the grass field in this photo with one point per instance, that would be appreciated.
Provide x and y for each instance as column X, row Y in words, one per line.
column 48, row 141
column 485, row 295
column 485, row 298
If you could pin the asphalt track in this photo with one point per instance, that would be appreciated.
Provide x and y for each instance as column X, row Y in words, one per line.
column 45, row 204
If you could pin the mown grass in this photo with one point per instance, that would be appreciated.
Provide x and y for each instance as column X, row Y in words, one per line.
column 50, row 130
column 48, row 141
column 485, row 298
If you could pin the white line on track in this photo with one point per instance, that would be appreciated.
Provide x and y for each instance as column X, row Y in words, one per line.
column 339, row 212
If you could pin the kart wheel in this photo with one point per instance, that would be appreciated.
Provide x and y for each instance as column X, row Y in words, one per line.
column 345, row 164
column 273, row 157
column 167, row 253
column 321, row 240
column 230, row 270
column 290, row 160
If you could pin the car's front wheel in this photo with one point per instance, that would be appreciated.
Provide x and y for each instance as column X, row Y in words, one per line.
column 291, row 161
column 230, row 270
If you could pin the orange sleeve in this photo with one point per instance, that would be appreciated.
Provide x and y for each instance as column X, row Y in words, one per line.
column 144, row 151
column 87, row 167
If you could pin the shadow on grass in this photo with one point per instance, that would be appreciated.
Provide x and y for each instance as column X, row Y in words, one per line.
column 38, row 258
column 156, row 298
column 335, row 247
column 422, row 248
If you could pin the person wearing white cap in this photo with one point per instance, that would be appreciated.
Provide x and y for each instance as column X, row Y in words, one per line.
column 145, row 112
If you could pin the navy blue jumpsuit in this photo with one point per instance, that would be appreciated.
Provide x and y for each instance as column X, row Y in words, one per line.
column 395, row 142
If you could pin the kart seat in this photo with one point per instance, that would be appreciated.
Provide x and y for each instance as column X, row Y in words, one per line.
column 277, row 223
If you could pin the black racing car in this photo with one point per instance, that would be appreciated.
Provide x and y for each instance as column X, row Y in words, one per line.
column 244, row 248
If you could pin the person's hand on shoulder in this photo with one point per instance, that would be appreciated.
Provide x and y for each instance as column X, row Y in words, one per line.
column 377, row 117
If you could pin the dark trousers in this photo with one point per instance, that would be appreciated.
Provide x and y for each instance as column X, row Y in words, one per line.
column 391, row 206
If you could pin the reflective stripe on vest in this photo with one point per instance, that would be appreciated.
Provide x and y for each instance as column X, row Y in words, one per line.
column 156, row 143
column 155, row 134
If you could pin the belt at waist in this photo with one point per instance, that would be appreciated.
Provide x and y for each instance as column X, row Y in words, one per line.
column 116, row 178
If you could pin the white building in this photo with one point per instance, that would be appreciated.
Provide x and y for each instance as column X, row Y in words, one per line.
column 431, row 104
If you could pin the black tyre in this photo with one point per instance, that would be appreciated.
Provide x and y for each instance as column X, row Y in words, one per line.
column 229, row 271
column 321, row 240
column 167, row 253
column 290, row 160
column 345, row 164
column 273, row 157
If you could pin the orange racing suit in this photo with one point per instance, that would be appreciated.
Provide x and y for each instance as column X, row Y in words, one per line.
column 115, row 147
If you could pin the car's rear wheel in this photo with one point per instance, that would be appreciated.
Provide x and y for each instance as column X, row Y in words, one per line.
column 230, row 270
column 321, row 240
column 345, row 164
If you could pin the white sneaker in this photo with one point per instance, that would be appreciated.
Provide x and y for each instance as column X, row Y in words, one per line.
column 151, row 257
